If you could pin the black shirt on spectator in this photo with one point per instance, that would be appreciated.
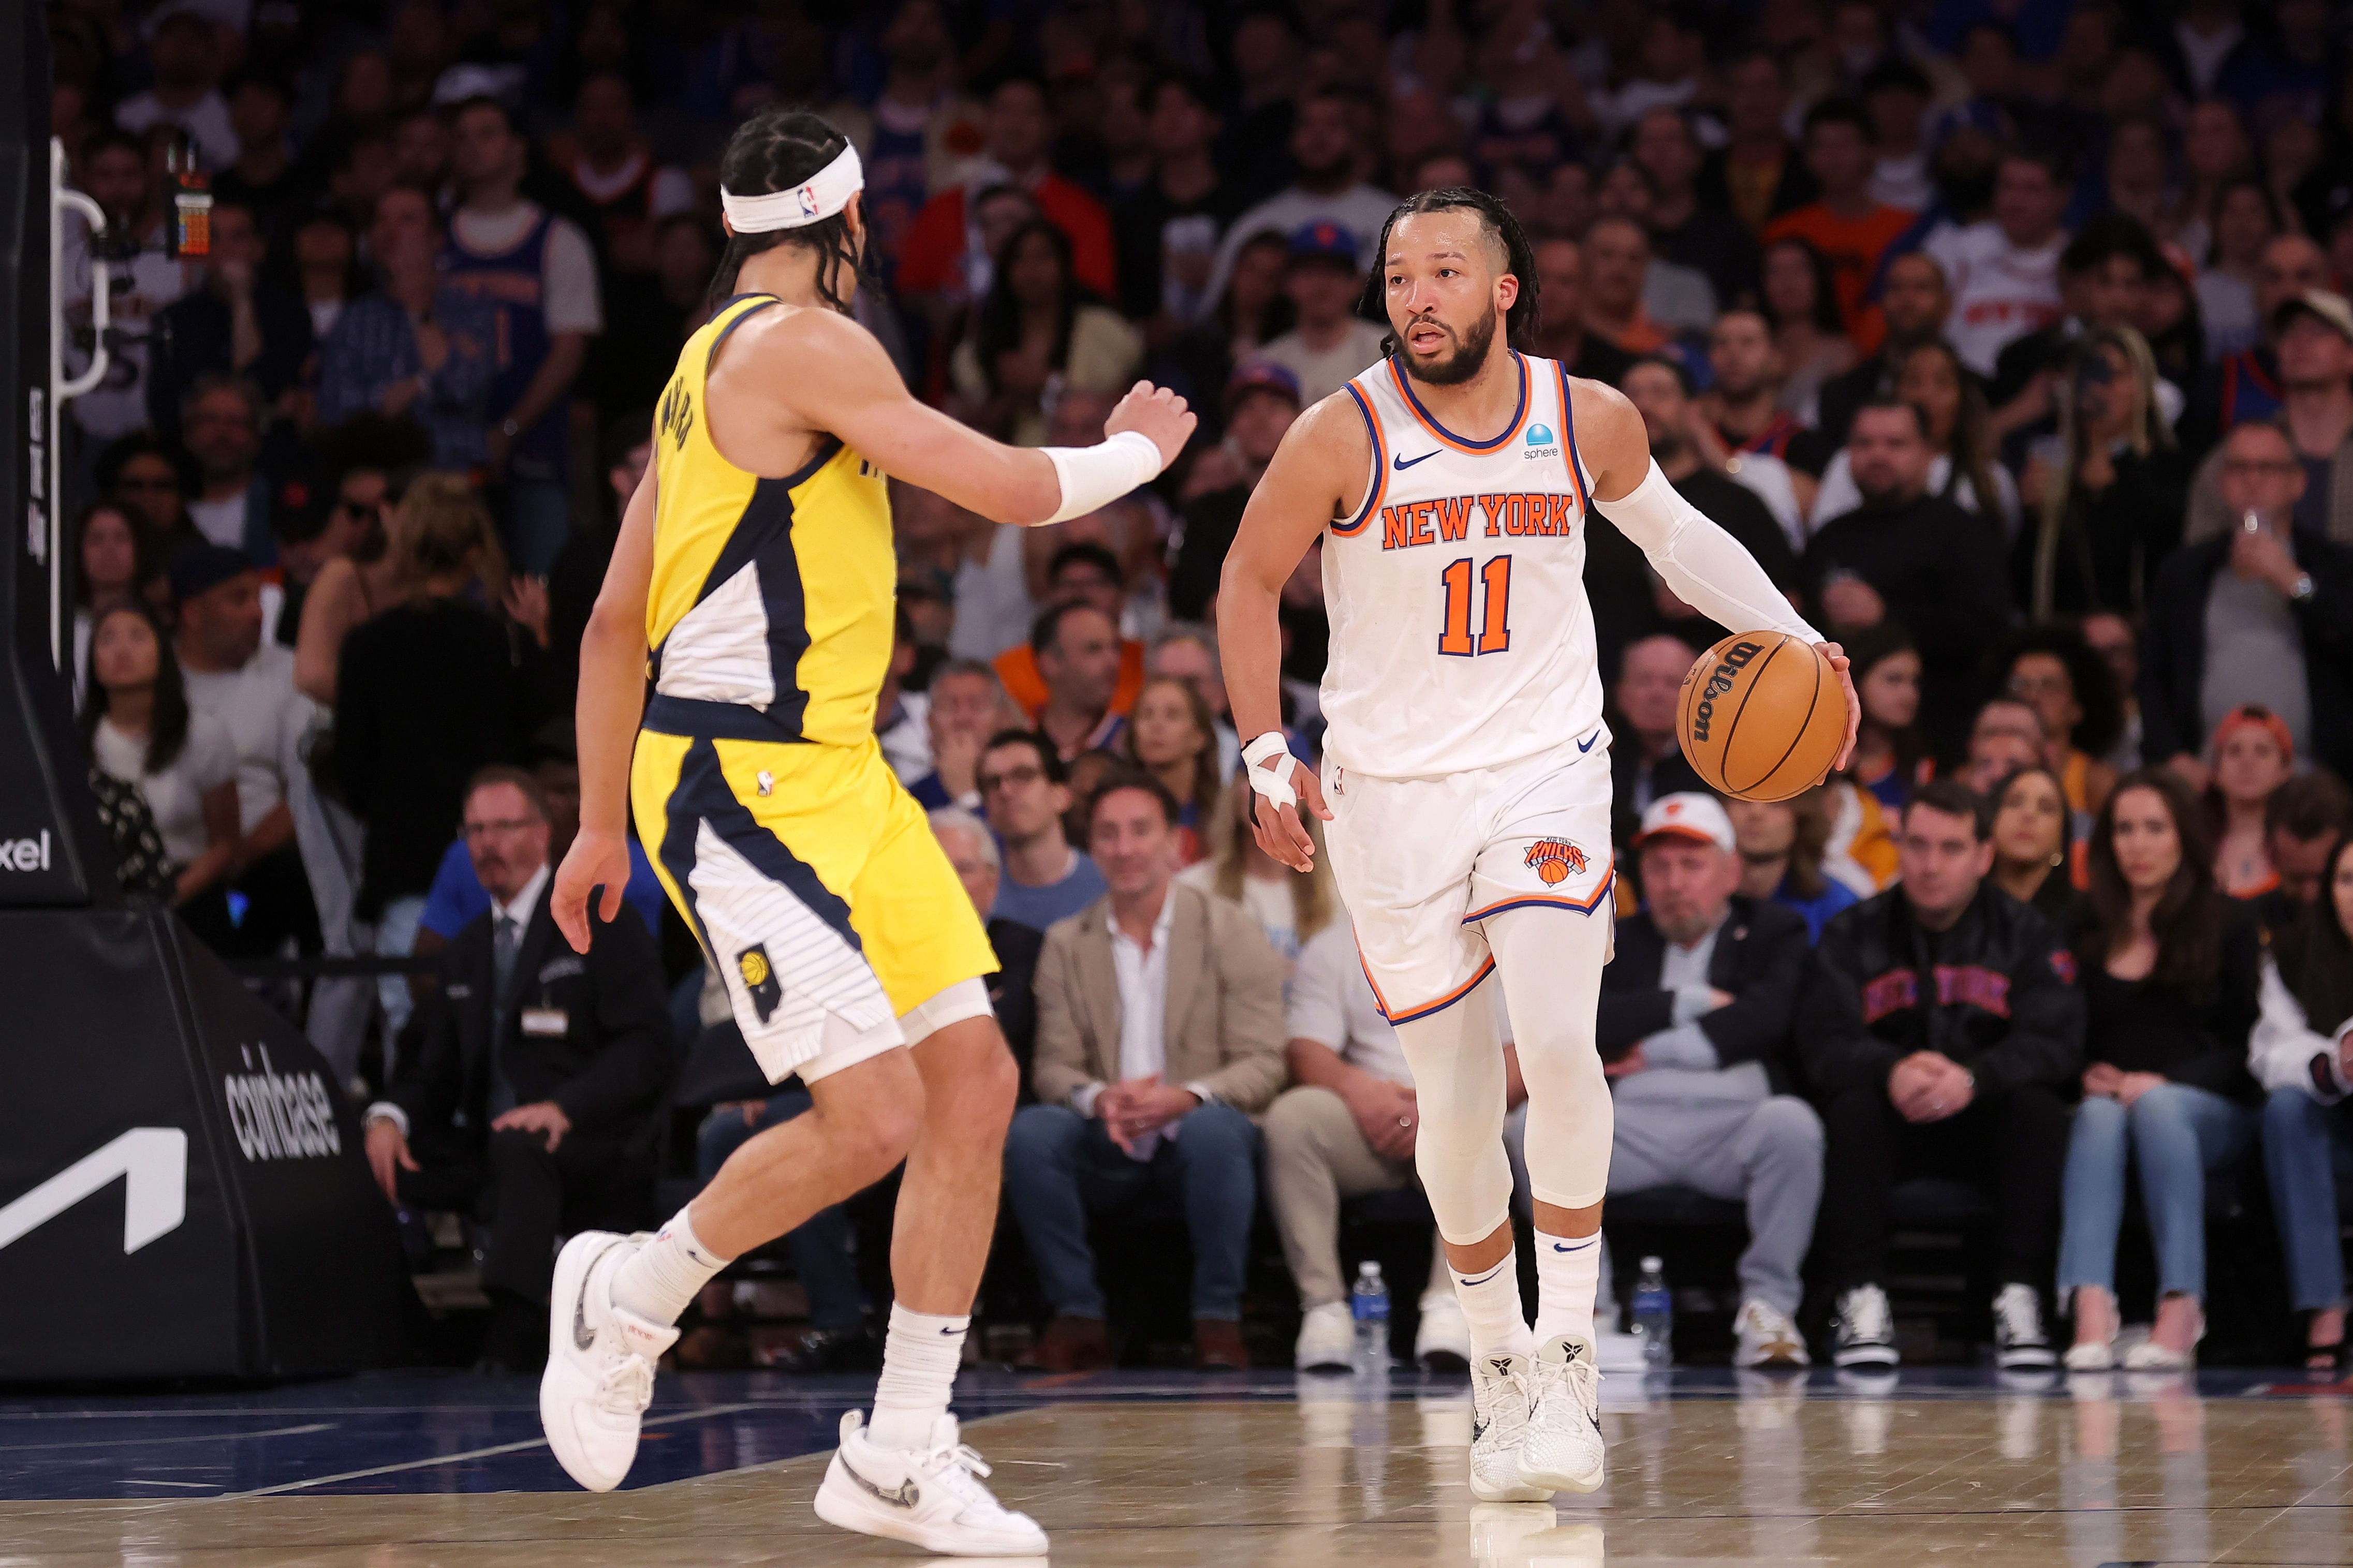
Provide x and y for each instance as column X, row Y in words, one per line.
column 192, row 337
column 2140, row 1026
column 2110, row 541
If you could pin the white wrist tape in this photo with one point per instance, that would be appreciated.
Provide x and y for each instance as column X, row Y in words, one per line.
column 1095, row 477
column 1270, row 781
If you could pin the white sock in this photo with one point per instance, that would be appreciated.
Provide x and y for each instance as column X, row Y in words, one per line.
column 919, row 1359
column 1490, row 1305
column 667, row 1272
column 1568, row 1276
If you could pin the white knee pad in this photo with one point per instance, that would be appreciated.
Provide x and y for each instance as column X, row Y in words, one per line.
column 1458, row 1085
column 1550, row 962
column 965, row 999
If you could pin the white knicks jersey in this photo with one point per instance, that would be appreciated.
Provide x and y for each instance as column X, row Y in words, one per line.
column 1461, row 634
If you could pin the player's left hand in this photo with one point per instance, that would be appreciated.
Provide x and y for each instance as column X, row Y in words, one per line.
column 597, row 858
column 1840, row 662
column 1279, row 828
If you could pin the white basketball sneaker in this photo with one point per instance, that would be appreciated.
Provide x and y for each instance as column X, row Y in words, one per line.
column 1767, row 1337
column 1327, row 1338
column 1499, row 1426
column 600, row 1362
column 1564, row 1451
column 931, row 1498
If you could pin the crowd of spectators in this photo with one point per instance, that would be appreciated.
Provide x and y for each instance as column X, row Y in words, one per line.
column 2013, row 342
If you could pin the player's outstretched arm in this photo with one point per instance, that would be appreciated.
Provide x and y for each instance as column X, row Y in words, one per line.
column 844, row 383
column 1705, row 567
column 1323, row 460
column 611, row 701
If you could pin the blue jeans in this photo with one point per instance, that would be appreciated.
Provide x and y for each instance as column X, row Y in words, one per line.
column 2178, row 1133
column 821, row 1245
column 1060, row 1167
column 2306, row 1144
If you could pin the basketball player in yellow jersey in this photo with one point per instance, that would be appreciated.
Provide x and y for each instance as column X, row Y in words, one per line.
column 756, row 565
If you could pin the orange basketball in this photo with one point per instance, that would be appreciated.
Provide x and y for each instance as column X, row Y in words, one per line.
column 1761, row 717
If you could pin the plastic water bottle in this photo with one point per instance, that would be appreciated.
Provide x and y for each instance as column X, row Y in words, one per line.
column 1369, row 1301
column 1654, row 1314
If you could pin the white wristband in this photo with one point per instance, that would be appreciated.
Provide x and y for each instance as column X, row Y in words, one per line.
column 1273, row 782
column 1095, row 477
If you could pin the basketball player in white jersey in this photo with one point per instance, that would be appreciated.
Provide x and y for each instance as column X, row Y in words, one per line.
column 1466, row 779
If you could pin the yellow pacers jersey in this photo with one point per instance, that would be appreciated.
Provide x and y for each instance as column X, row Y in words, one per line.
column 774, row 595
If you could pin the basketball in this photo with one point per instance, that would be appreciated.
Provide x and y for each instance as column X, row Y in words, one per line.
column 1761, row 717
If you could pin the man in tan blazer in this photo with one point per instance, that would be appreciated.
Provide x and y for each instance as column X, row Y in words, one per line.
column 1160, row 1034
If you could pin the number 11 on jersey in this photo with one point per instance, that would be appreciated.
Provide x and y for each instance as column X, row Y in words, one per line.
column 1494, row 636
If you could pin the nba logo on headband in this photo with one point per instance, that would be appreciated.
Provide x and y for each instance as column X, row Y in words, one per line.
column 808, row 201
column 824, row 193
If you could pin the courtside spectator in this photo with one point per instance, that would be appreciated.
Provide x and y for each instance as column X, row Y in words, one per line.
column 1025, row 795
column 2109, row 508
column 1693, row 1030
column 630, row 189
column 1327, row 160
column 248, row 685
column 1561, row 335
column 420, row 349
column 1078, row 654
column 1684, row 228
column 2254, row 615
column 1782, row 844
column 1914, row 558
column 1167, row 230
column 242, row 323
column 221, row 426
column 1758, row 173
column 114, row 566
column 184, row 55
column 2297, row 1054
column 1645, row 763
column 967, row 705
column 2303, row 820
column 539, row 272
column 2006, row 734
column 1261, row 402
column 529, row 1078
column 139, row 729
column 1079, row 573
column 971, row 848
column 1330, row 341
column 1159, row 1033
column 114, row 172
column 2252, row 757
column 1036, row 331
column 1171, row 736
column 1018, row 134
column 1847, row 223
column 1345, row 1128
column 2053, row 671
column 424, row 698
column 2034, row 842
column 1799, row 300
column 1912, row 305
column 1890, row 754
column 1962, row 465
column 2168, row 971
column 2003, row 270
column 1957, row 1065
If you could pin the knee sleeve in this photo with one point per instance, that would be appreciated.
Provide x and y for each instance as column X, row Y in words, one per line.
column 1458, row 1085
column 1550, row 964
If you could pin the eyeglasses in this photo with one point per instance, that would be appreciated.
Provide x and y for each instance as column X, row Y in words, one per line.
column 511, row 825
column 1011, row 778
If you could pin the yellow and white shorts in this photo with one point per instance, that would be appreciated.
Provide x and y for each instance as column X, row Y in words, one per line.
column 814, row 883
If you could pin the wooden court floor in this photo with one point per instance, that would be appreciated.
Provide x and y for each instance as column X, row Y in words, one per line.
column 2101, row 1471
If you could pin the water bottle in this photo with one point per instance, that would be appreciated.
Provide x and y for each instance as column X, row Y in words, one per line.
column 1369, row 1301
column 1654, row 1314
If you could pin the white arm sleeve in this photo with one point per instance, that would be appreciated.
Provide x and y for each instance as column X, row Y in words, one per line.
column 1705, row 567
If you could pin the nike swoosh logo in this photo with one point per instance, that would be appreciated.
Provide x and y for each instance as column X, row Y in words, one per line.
column 1585, row 746
column 1580, row 1246
column 1489, row 1275
column 1401, row 462
column 583, row 1335
column 904, row 1495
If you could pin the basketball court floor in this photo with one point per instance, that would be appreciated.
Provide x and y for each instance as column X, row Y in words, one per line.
column 1146, row 1470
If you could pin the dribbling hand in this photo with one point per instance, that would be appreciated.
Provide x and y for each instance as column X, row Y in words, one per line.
column 598, row 857
column 1278, row 829
column 1157, row 413
column 1840, row 662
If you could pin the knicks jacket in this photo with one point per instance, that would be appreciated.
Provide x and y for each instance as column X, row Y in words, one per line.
column 1996, row 993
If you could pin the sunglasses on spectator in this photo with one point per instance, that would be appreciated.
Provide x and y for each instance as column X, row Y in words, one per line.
column 1011, row 778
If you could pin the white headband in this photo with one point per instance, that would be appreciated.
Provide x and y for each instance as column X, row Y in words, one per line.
column 826, row 193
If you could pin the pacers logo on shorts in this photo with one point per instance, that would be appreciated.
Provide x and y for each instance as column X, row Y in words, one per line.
column 1556, row 859
column 759, row 979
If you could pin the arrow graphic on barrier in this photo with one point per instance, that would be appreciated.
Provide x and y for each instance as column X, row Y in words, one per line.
column 153, row 1164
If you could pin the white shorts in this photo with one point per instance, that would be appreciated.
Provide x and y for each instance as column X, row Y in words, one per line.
column 843, row 1045
column 1421, row 862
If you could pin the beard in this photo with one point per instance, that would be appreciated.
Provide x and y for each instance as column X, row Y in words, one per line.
column 1469, row 355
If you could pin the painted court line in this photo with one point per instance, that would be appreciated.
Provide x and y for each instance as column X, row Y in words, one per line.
column 459, row 1459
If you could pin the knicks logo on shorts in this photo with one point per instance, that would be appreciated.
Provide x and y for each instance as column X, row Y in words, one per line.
column 759, row 979
column 1556, row 860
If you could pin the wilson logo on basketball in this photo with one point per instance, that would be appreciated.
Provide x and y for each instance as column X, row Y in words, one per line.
column 1556, row 859
column 1735, row 657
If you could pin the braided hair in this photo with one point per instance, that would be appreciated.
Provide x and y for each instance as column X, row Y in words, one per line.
column 776, row 150
column 1521, row 322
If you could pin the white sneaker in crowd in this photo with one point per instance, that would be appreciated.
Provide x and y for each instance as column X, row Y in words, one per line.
column 1499, row 1426
column 600, row 1362
column 1564, row 1450
column 1442, row 1342
column 1866, row 1330
column 2020, row 1342
column 1327, row 1338
column 1768, row 1338
column 931, row 1498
